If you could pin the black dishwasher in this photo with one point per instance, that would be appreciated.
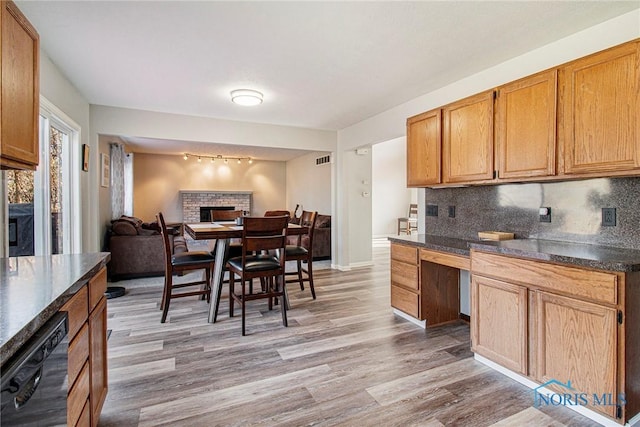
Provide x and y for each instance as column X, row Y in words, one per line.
column 34, row 380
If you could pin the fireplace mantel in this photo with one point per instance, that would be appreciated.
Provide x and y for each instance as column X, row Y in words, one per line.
column 215, row 192
column 192, row 200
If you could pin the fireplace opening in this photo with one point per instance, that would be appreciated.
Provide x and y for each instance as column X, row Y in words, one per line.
column 205, row 211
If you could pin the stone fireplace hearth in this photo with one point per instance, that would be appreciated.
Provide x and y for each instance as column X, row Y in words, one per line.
column 192, row 200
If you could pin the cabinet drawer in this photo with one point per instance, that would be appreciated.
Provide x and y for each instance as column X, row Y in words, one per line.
column 460, row 262
column 97, row 288
column 589, row 284
column 78, row 353
column 408, row 254
column 405, row 300
column 78, row 396
column 77, row 310
column 405, row 275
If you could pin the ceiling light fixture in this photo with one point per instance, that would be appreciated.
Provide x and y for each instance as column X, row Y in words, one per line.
column 246, row 97
column 215, row 157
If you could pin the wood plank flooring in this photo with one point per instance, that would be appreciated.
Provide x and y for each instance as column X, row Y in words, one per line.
column 345, row 359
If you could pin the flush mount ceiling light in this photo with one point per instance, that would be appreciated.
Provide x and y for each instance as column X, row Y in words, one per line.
column 246, row 97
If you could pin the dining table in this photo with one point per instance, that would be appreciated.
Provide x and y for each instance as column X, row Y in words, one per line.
column 222, row 232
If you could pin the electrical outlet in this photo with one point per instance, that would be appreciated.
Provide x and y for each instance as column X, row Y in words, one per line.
column 545, row 214
column 608, row 217
column 432, row 210
column 452, row 211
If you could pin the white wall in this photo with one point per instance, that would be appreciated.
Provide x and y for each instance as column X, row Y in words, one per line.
column 390, row 199
column 57, row 89
column 158, row 179
column 308, row 184
column 391, row 124
column 358, row 177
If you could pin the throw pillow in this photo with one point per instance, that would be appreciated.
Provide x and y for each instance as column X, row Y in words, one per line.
column 124, row 228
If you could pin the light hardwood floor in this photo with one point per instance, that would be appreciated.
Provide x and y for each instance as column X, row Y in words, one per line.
column 345, row 359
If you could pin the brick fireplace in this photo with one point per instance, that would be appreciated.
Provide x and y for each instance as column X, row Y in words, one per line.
column 193, row 200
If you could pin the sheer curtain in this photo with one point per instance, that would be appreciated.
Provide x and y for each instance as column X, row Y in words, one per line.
column 117, row 180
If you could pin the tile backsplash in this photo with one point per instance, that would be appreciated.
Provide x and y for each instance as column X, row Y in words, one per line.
column 576, row 211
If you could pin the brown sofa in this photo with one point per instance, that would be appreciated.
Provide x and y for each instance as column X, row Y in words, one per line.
column 321, row 238
column 137, row 249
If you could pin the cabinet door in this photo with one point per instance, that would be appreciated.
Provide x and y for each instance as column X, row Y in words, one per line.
column 526, row 127
column 20, row 93
column 499, row 322
column 467, row 154
column 576, row 341
column 599, row 97
column 98, row 358
column 424, row 142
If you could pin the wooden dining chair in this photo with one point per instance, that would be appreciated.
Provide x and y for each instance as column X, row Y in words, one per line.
column 277, row 213
column 225, row 215
column 303, row 253
column 259, row 236
column 179, row 263
column 410, row 222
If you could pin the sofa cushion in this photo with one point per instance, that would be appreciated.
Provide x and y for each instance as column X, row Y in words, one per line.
column 145, row 232
column 124, row 228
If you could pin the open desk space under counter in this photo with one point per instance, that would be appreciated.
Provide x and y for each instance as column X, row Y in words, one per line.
column 35, row 289
column 558, row 317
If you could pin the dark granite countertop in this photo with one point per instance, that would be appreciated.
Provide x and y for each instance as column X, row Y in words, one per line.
column 32, row 289
column 436, row 243
column 577, row 254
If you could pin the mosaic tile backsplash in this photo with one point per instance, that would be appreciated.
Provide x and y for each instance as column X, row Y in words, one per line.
column 576, row 211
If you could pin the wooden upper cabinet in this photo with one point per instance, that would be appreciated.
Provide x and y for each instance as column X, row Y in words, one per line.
column 467, row 144
column 424, row 145
column 599, row 128
column 526, row 127
column 20, row 93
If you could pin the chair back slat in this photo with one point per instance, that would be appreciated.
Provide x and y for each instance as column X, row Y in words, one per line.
column 308, row 219
column 225, row 215
column 277, row 213
column 256, row 244
column 264, row 233
column 165, row 237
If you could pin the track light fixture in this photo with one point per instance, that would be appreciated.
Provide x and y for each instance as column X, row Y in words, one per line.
column 213, row 158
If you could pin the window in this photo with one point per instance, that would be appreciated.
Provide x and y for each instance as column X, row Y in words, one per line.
column 44, row 206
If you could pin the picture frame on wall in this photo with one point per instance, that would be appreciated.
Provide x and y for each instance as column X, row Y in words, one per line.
column 105, row 169
column 85, row 157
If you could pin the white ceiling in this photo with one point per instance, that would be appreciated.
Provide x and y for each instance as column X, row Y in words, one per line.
column 321, row 65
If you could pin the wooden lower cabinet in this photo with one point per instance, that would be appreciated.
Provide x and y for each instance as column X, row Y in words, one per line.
column 525, row 318
column 425, row 284
column 576, row 341
column 499, row 322
column 405, row 282
column 87, row 311
column 98, row 357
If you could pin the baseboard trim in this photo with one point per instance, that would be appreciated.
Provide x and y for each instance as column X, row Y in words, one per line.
column 592, row 415
column 405, row 316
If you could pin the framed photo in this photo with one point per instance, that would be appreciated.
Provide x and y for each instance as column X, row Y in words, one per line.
column 105, row 169
column 85, row 157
